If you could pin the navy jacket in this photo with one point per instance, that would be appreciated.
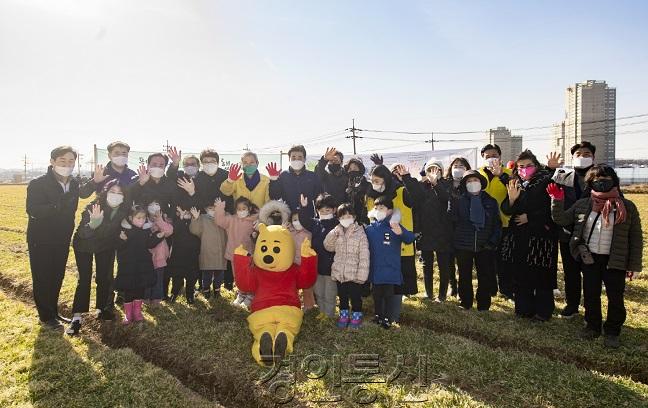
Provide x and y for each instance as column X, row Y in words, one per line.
column 385, row 252
column 466, row 237
column 290, row 185
column 319, row 229
column 333, row 183
column 125, row 178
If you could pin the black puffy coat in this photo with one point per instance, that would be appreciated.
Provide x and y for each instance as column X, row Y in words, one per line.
column 103, row 237
column 185, row 249
column 134, row 260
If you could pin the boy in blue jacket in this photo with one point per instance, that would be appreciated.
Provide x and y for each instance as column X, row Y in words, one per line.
column 385, row 239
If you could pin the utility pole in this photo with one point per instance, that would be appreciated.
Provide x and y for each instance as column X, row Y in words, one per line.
column 353, row 135
column 166, row 147
column 79, row 164
column 431, row 141
column 25, row 170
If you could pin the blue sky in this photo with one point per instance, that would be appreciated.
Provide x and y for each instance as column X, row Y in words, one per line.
column 266, row 74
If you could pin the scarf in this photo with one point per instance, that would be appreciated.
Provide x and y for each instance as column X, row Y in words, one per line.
column 251, row 182
column 605, row 202
column 477, row 213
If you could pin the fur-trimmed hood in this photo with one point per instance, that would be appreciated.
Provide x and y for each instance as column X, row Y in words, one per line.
column 274, row 206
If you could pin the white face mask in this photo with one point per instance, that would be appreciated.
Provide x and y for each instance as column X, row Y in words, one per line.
column 325, row 216
column 378, row 187
column 119, row 160
column 154, row 208
column 191, row 170
column 346, row 222
column 242, row 213
column 211, row 213
column 63, row 171
column 156, row 172
column 297, row 225
column 380, row 214
column 210, row 168
column 582, row 162
column 493, row 162
column 297, row 164
column 473, row 186
column 114, row 199
column 458, row 173
column 186, row 216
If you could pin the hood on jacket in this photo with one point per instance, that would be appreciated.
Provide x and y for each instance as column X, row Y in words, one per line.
column 358, row 162
column 274, row 207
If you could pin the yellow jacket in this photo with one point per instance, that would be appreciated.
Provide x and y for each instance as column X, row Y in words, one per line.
column 407, row 218
column 259, row 196
column 496, row 189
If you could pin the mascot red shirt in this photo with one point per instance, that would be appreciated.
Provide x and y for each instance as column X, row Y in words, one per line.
column 275, row 281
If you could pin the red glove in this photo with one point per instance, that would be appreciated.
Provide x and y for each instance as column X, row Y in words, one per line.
column 272, row 170
column 555, row 192
column 234, row 172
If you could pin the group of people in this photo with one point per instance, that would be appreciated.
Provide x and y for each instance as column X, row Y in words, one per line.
column 177, row 221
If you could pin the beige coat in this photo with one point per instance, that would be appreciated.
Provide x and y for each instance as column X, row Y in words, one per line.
column 351, row 247
column 212, row 243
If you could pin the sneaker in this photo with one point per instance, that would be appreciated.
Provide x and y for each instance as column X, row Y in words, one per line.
column 376, row 320
column 344, row 319
column 385, row 323
column 74, row 328
column 611, row 341
column 52, row 324
column 589, row 334
column 356, row 320
column 62, row 319
column 280, row 346
column 247, row 302
column 238, row 300
column 557, row 293
column 265, row 349
column 568, row 312
column 106, row 315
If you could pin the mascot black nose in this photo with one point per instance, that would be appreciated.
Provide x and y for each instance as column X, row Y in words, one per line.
column 268, row 259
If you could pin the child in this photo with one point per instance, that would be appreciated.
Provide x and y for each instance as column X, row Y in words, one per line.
column 159, row 223
column 325, row 288
column 212, row 249
column 135, row 270
column 385, row 239
column 183, row 264
column 350, row 267
column 299, row 234
column 477, row 232
column 239, row 230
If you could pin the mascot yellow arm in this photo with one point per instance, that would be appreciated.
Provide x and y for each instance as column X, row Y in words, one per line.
column 306, row 249
column 240, row 250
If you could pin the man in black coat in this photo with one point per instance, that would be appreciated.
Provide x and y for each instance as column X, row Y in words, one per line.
column 332, row 175
column 52, row 201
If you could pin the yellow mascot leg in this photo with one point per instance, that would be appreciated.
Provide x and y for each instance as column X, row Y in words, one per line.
column 273, row 320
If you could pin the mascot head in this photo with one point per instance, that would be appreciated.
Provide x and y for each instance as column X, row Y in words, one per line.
column 275, row 248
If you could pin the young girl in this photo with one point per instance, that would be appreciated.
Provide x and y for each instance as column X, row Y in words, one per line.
column 299, row 234
column 212, row 249
column 385, row 239
column 161, row 252
column 239, row 230
column 325, row 288
column 183, row 262
column 135, row 270
column 95, row 238
column 350, row 267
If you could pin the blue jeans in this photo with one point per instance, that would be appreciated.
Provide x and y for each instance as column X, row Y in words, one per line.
column 209, row 277
column 155, row 291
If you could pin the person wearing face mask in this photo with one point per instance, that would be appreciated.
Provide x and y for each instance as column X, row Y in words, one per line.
column 389, row 184
column 244, row 180
column 357, row 188
column 325, row 289
column 454, row 173
column 213, row 241
column 186, row 192
column 300, row 234
column 333, row 175
column 529, row 247
column 607, row 240
column 96, row 238
column 350, row 268
column 160, row 223
column 575, row 188
column 182, row 266
column 52, row 201
column 290, row 185
column 207, row 180
column 432, row 218
column 477, row 229
column 116, row 169
column 154, row 185
column 239, row 228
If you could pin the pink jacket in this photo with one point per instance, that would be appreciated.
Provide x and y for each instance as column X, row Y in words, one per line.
column 239, row 230
column 161, row 252
column 299, row 237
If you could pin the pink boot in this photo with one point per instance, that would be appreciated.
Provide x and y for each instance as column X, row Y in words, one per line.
column 128, row 312
column 137, row 311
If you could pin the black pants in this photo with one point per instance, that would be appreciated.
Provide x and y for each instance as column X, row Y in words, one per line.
column 572, row 271
column 447, row 274
column 504, row 274
column 47, row 264
column 350, row 292
column 133, row 294
column 614, row 279
column 483, row 261
column 104, row 264
column 190, row 286
column 382, row 294
column 228, row 279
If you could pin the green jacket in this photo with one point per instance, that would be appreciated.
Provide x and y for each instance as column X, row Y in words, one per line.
column 627, row 239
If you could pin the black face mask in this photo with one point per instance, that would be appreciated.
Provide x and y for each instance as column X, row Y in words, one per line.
column 603, row 185
column 334, row 168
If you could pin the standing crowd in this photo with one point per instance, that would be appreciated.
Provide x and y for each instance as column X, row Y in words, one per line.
column 175, row 223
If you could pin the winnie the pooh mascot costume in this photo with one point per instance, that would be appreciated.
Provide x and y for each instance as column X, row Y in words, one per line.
column 273, row 278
